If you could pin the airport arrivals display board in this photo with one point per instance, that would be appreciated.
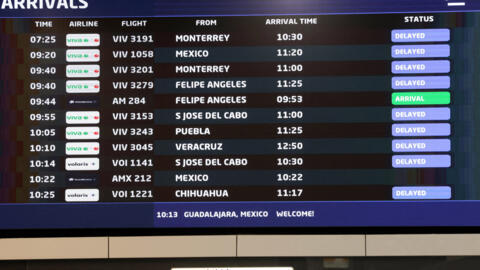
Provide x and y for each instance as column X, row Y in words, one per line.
column 239, row 114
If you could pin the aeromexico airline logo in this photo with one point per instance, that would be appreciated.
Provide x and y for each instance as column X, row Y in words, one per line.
column 44, row 4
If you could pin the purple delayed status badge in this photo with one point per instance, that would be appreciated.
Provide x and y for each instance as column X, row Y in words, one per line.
column 421, row 161
column 422, row 193
column 422, row 145
column 418, row 130
column 421, row 82
column 421, row 35
column 420, row 51
column 425, row 66
column 421, row 114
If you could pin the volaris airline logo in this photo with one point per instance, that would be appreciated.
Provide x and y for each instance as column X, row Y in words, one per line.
column 44, row 4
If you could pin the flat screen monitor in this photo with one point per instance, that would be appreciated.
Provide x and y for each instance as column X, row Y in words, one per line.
column 224, row 114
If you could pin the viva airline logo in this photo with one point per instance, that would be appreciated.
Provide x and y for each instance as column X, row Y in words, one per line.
column 83, row 71
column 80, row 87
column 82, row 133
column 83, row 55
column 79, row 118
column 82, row 148
column 83, row 40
